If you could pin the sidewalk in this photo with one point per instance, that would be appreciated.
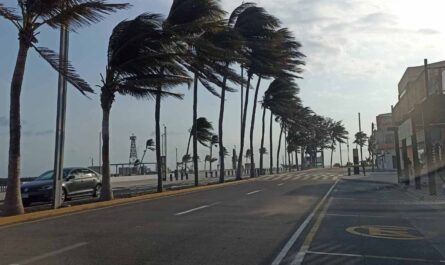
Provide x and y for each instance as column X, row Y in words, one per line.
column 391, row 178
column 385, row 177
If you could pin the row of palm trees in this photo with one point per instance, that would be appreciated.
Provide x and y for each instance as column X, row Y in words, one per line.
column 147, row 57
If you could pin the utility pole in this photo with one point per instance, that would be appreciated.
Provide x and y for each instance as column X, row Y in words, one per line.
column 61, row 116
column 360, row 130
column 341, row 159
column 347, row 145
column 427, row 133
column 176, row 159
column 100, row 152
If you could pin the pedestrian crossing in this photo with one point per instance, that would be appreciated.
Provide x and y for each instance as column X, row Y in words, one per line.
column 303, row 176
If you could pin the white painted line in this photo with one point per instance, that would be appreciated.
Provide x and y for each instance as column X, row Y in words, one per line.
column 307, row 177
column 49, row 254
column 300, row 229
column 374, row 257
column 287, row 177
column 196, row 209
column 253, row 192
column 281, row 184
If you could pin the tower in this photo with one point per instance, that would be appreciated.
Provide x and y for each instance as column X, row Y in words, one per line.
column 133, row 151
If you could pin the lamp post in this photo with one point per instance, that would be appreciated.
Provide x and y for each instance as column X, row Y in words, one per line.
column 60, row 122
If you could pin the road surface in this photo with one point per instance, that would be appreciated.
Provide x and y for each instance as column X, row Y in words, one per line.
column 297, row 218
column 247, row 223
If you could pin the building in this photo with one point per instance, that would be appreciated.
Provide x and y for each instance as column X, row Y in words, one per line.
column 385, row 154
column 420, row 112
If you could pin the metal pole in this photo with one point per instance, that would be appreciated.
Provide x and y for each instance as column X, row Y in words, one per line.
column 100, row 152
column 341, row 158
column 360, row 130
column 427, row 139
column 347, row 145
column 60, row 122
column 165, row 151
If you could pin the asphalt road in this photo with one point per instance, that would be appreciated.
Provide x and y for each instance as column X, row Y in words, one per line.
column 248, row 223
column 371, row 223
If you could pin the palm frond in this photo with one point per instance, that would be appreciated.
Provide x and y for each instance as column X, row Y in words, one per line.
column 81, row 13
column 145, row 93
column 70, row 74
column 9, row 14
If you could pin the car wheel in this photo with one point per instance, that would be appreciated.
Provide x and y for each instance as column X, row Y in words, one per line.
column 64, row 196
column 26, row 202
column 97, row 191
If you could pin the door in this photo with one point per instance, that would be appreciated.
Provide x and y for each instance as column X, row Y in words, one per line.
column 75, row 184
column 90, row 179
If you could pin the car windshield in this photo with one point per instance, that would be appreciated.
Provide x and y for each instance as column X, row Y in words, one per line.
column 48, row 175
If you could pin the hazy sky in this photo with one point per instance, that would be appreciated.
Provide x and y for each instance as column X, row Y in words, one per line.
column 357, row 51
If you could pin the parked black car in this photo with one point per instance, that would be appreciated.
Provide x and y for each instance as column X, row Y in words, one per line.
column 76, row 182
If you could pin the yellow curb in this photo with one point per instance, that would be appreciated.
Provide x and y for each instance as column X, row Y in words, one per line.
column 27, row 217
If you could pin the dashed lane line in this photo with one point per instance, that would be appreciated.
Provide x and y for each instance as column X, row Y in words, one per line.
column 196, row 209
column 253, row 192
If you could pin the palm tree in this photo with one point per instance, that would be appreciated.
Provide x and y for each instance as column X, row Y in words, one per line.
column 283, row 52
column 278, row 98
column 337, row 134
column 140, row 63
column 195, row 21
column 213, row 142
column 256, row 26
column 31, row 17
column 360, row 139
column 204, row 133
column 248, row 152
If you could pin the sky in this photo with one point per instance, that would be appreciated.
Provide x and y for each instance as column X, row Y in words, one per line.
column 357, row 51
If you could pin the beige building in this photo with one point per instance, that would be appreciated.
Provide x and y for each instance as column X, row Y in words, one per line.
column 420, row 108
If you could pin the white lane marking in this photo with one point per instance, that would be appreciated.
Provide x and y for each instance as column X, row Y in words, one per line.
column 300, row 229
column 49, row 254
column 373, row 256
column 253, row 192
column 307, row 177
column 281, row 184
column 378, row 216
column 287, row 177
column 196, row 209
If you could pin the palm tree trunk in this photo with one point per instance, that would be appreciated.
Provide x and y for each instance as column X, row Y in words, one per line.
column 279, row 147
column 220, row 131
column 296, row 160
column 243, row 129
column 188, row 149
column 302, row 157
column 252, row 127
column 332, row 152
column 107, row 191
column 195, row 132
column 13, row 202
column 210, row 162
column 271, row 143
column 242, row 101
column 262, row 141
column 158, row 138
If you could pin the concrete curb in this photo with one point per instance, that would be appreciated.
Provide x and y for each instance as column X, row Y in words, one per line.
column 27, row 217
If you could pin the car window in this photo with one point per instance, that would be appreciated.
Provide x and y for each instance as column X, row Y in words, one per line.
column 77, row 173
column 48, row 175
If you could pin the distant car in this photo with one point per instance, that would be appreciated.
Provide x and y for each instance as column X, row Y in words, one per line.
column 76, row 182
